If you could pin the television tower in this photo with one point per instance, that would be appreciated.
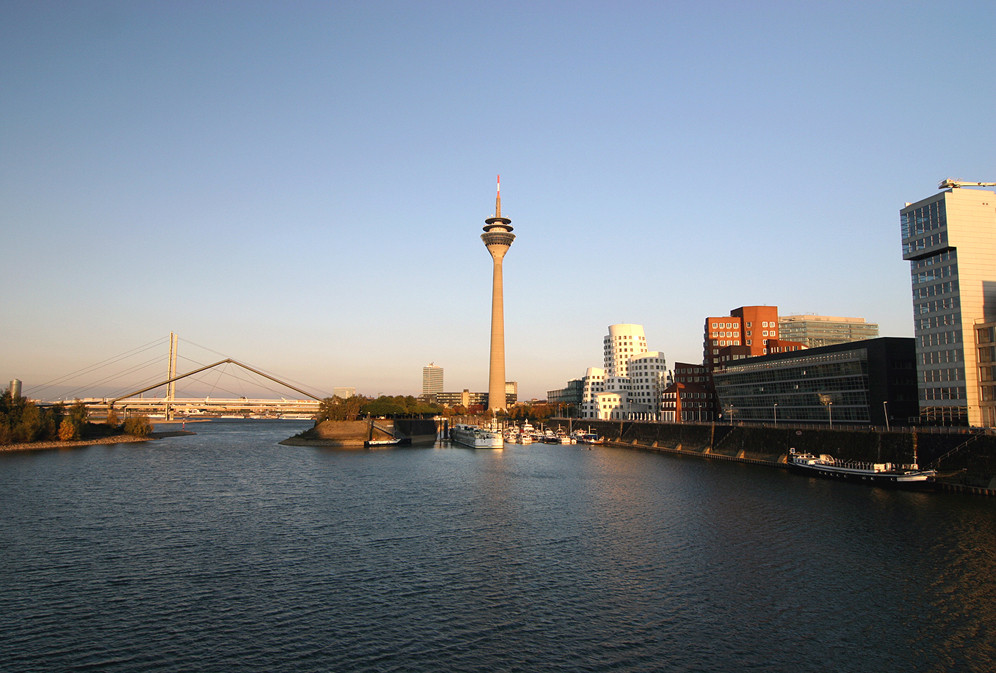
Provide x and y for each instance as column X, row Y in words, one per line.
column 497, row 237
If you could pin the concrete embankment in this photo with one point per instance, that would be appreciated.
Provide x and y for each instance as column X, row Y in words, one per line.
column 356, row 434
column 966, row 461
column 77, row 443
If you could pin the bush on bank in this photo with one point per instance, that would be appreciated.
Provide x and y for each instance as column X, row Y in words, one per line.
column 23, row 422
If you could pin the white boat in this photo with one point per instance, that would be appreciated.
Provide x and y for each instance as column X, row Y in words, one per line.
column 386, row 443
column 476, row 437
column 877, row 474
column 588, row 437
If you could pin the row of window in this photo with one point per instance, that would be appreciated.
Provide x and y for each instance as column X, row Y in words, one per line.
column 931, row 274
column 936, row 305
column 942, row 393
column 943, row 375
column 921, row 220
column 940, row 357
column 935, row 290
column 930, row 322
column 939, row 338
column 931, row 241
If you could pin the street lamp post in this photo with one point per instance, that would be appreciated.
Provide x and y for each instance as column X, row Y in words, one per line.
column 776, row 412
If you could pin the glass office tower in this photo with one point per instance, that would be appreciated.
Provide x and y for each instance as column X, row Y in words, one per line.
column 950, row 242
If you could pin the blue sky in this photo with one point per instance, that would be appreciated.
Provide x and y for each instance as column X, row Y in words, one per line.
column 301, row 186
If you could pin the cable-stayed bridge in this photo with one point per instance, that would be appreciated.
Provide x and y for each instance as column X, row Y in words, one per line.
column 156, row 396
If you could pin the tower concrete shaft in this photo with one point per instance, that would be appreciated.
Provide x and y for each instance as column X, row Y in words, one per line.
column 498, row 238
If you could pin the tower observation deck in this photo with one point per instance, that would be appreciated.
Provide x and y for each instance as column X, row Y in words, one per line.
column 497, row 238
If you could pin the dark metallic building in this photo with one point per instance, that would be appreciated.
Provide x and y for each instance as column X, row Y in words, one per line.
column 857, row 383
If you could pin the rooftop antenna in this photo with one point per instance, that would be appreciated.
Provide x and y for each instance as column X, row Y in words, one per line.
column 498, row 198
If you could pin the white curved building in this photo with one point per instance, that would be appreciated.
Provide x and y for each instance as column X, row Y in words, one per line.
column 631, row 385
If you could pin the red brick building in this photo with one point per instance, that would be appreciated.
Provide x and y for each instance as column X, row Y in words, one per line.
column 749, row 331
column 690, row 397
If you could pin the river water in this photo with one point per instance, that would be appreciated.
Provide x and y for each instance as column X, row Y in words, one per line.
column 225, row 551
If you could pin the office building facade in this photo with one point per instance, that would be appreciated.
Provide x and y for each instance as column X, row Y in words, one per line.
column 814, row 331
column 571, row 394
column 950, row 241
column 857, row 383
column 985, row 343
column 432, row 379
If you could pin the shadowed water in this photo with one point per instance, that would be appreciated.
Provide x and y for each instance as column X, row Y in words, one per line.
column 226, row 551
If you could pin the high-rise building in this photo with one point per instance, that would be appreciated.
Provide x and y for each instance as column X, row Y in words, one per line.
column 498, row 238
column 950, row 241
column 432, row 379
column 823, row 330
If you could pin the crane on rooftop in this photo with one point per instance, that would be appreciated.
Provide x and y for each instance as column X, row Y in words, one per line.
column 951, row 183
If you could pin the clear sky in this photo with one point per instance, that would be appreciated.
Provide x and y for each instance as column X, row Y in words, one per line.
column 301, row 186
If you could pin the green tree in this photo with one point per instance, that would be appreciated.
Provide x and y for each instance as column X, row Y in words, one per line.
column 338, row 409
column 385, row 406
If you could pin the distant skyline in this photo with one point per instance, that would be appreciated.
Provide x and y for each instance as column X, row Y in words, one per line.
column 302, row 186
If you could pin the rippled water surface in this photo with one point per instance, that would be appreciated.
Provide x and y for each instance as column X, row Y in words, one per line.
column 226, row 551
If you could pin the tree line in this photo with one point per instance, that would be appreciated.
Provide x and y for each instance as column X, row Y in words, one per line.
column 22, row 421
column 358, row 406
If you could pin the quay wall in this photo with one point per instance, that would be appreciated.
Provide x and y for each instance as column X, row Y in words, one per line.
column 966, row 461
column 354, row 434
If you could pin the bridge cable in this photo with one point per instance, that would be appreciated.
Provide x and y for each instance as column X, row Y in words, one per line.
column 37, row 391
column 288, row 380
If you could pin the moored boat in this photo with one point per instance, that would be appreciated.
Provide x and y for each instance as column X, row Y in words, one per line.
column 476, row 437
column 387, row 443
column 588, row 437
column 877, row 474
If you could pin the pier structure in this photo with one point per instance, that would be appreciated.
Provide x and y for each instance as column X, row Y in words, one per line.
column 497, row 238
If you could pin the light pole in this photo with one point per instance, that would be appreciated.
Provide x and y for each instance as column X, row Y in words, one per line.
column 885, row 409
column 776, row 412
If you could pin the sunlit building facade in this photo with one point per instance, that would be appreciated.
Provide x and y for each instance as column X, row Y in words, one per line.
column 950, row 241
column 432, row 379
column 631, row 384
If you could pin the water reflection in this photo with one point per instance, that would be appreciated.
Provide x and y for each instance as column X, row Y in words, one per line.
column 225, row 550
